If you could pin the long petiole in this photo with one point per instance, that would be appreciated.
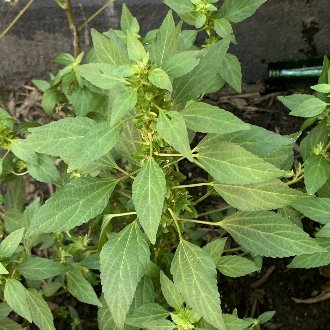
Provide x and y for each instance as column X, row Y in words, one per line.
column 176, row 223
column 214, row 211
column 202, row 198
column 200, row 221
column 193, row 185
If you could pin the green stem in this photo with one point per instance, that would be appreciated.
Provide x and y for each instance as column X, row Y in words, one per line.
column 214, row 211
column 14, row 21
column 98, row 12
column 193, row 185
column 232, row 250
column 19, row 174
column 176, row 223
column 174, row 162
column 168, row 155
column 295, row 180
column 202, row 198
column 200, row 221
column 111, row 216
column 124, row 172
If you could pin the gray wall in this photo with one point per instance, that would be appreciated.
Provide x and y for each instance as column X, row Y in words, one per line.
column 280, row 30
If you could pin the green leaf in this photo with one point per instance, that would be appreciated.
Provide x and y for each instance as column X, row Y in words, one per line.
column 4, row 310
column 109, row 50
column 36, row 268
column 128, row 22
column 74, row 204
column 268, row 234
column 309, row 108
column 3, row 270
column 40, row 311
column 317, row 209
column 160, row 79
column 215, row 248
column 194, row 274
column 204, row 77
column 123, row 104
column 238, row 10
column 293, row 101
column 16, row 297
column 236, row 266
column 9, row 245
column 80, row 288
column 232, row 322
column 9, row 324
column 181, row 7
column 317, row 136
column 223, row 27
column 144, row 294
column 205, row 118
column 324, row 232
column 148, row 193
column 314, row 260
column 145, row 314
column 261, row 196
column 170, row 292
column 136, row 51
column 322, row 88
column 124, row 259
column 100, row 74
column 230, row 163
column 174, row 132
column 42, row 85
column 159, row 325
column 84, row 139
column 15, row 195
column 231, row 72
column 50, row 98
column 181, row 63
column 316, row 173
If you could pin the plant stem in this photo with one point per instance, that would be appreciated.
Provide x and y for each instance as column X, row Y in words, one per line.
column 176, row 223
column 167, row 155
column 13, row 22
column 202, row 198
column 174, row 162
column 214, row 211
column 124, row 172
column 99, row 11
column 295, row 180
column 232, row 250
column 193, row 185
column 200, row 221
column 111, row 216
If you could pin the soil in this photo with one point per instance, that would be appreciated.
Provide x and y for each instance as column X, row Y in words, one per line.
column 271, row 289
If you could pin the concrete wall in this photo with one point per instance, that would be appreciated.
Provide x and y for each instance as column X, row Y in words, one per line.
column 280, row 30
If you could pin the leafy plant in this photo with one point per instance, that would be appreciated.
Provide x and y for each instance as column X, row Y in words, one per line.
column 124, row 214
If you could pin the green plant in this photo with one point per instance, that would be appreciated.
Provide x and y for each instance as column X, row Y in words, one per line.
column 313, row 168
column 124, row 214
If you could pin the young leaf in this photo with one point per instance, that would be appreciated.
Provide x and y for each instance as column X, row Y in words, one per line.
column 322, row 88
column 136, row 51
column 144, row 294
column 314, row 260
column 261, row 196
column 109, row 50
column 75, row 203
column 16, row 297
column 123, row 104
column 15, row 195
column 317, row 136
column 222, row 27
column 170, row 292
column 317, row 209
column 40, row 311
column 124, row 259
column 9, row 245
column 181, row 63
column 268, row 234
column 159, row 325
column 166, row 43
column 309, row 108
column 45, row 170
column 160, row 79
column 49, row 100
column 149, row 189
column 4, row 310
column 181, row 7
column 232, row 322
column 324, row 232
column 230, row 163
column 128, row 22
column 9, row 324
column 205, row 118
column 231, row 72
column 215, row 248
column 36, row 268
column 236, row 266
column 100, row 74
column 194, row 274
column 316, row 173
column 146, row 313
column 238, row 10
column 293, row 101
column 80, row 288
column 174, row 132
